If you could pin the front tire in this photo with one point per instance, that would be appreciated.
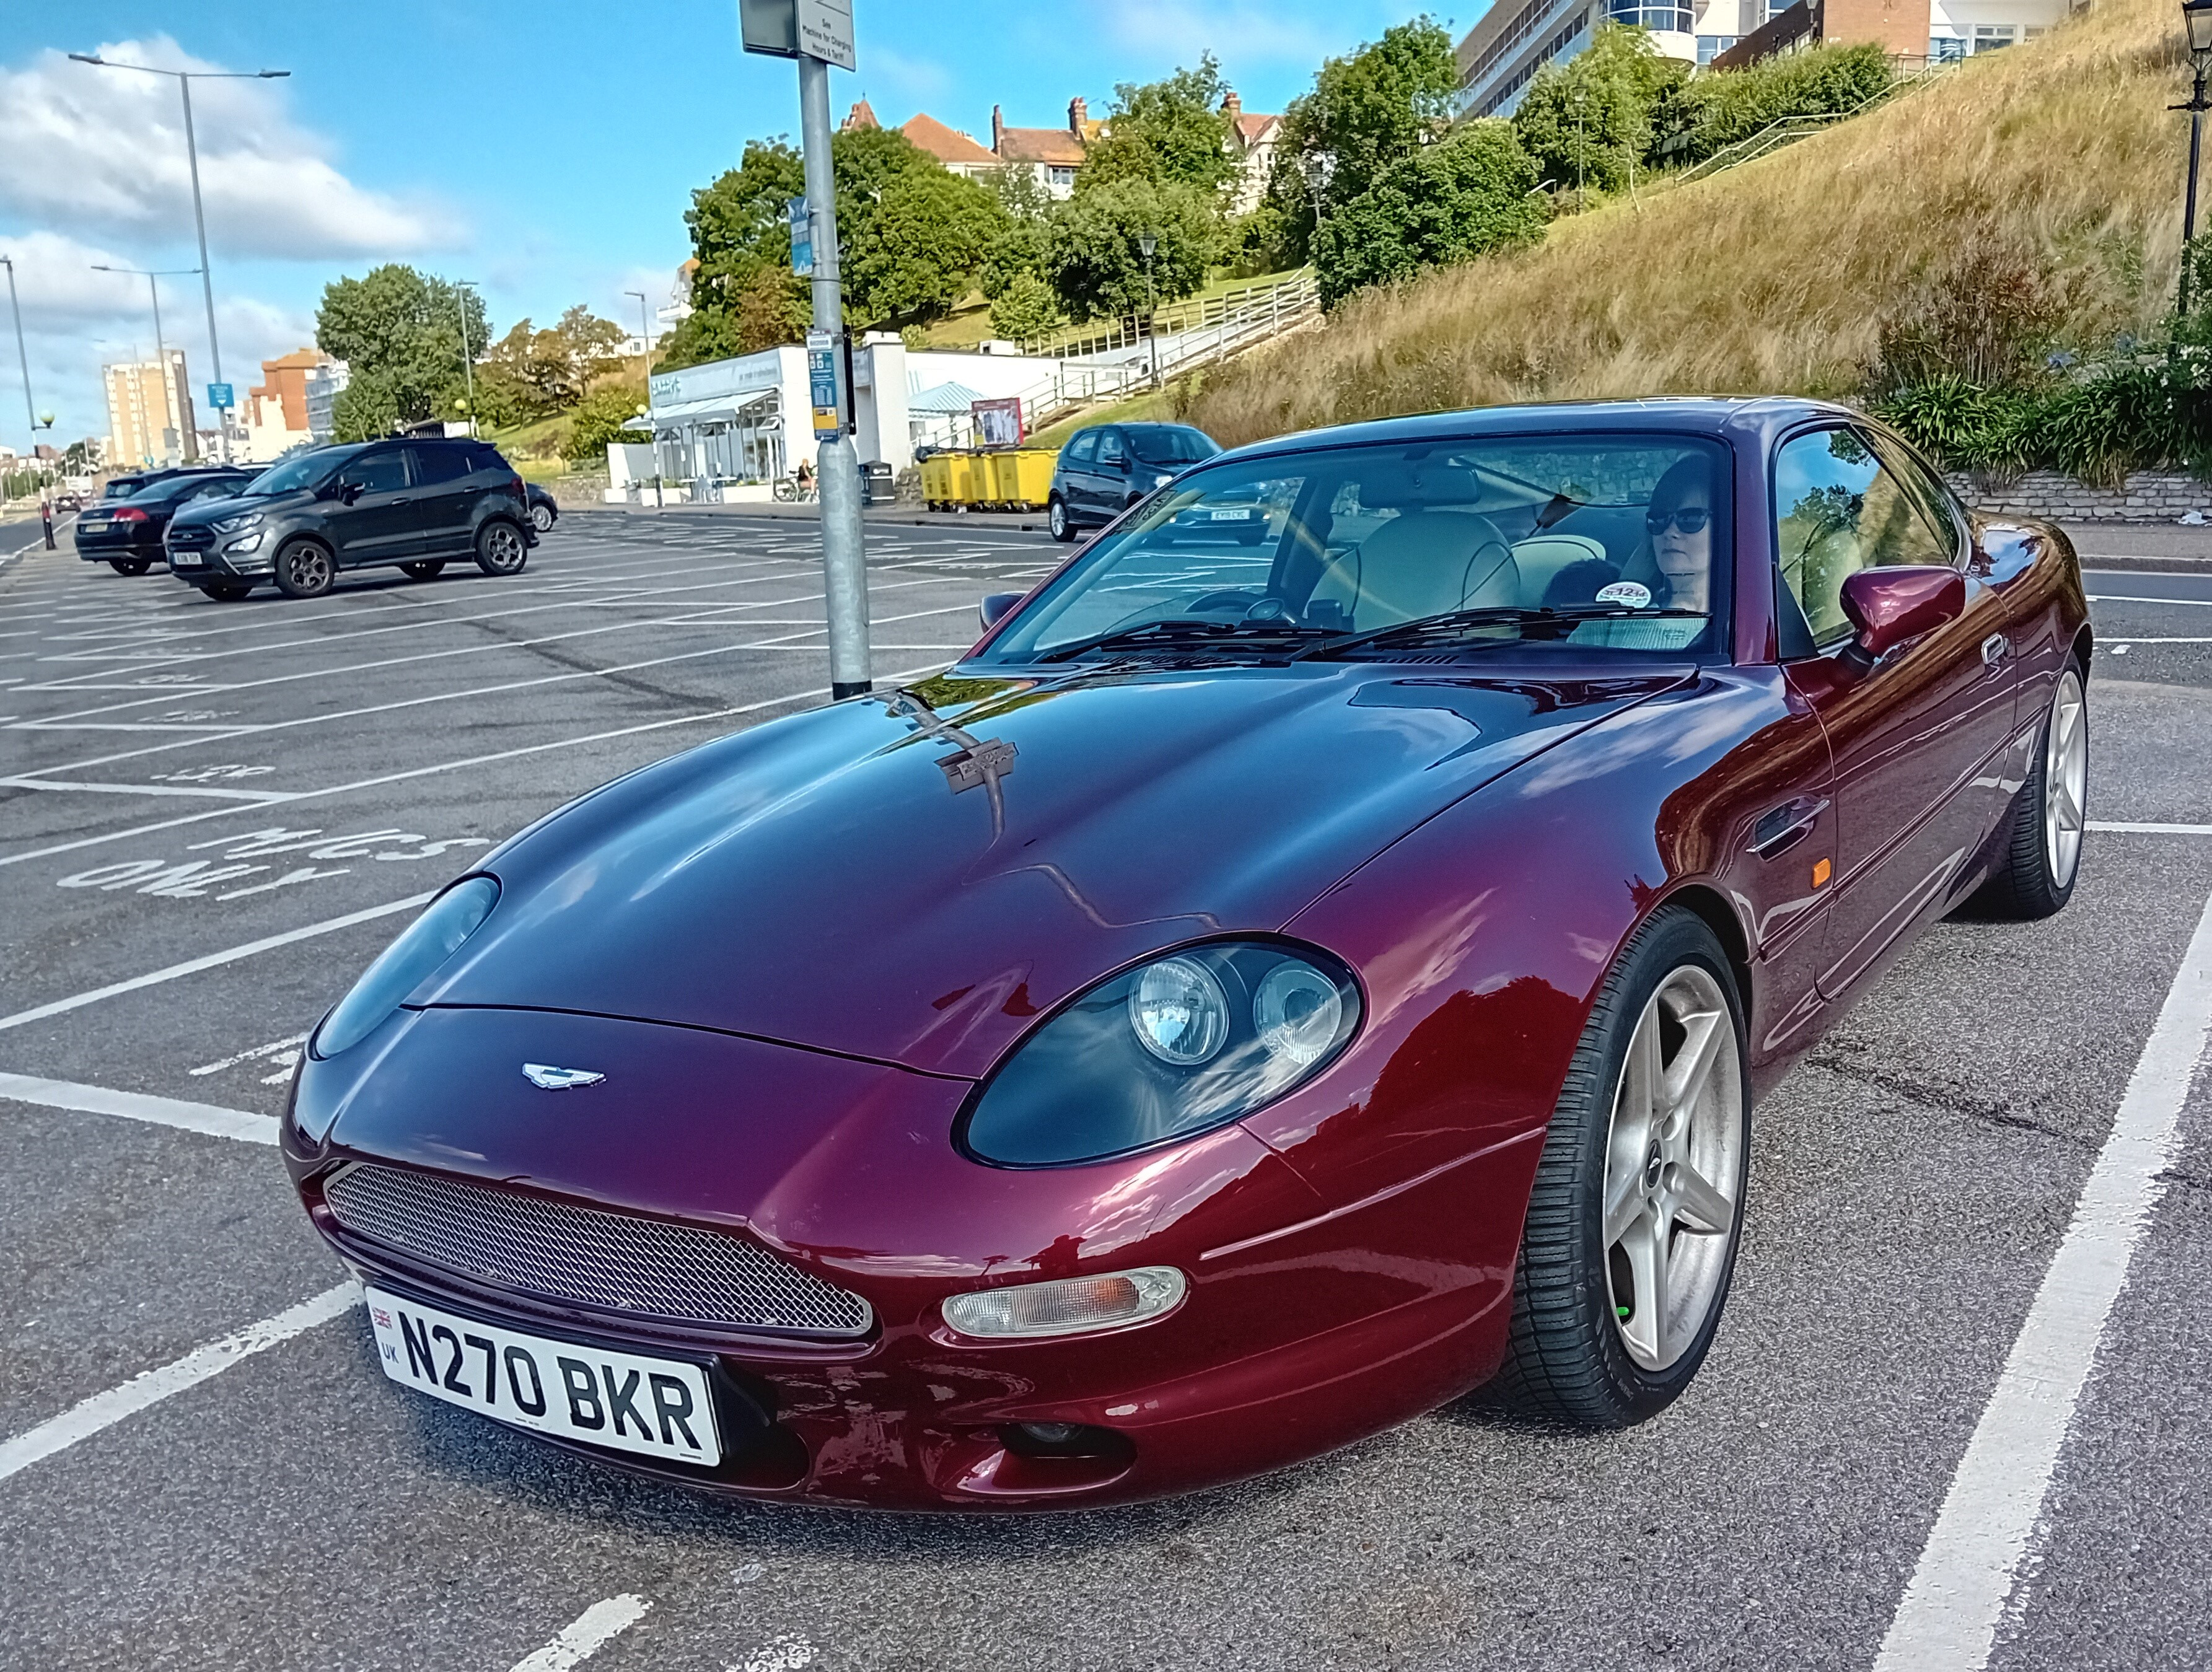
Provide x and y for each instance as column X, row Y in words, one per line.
column 129, row 566
column 1634, row 1219
column 499, row 549
column 2041, row 858
column 304, row 569
column 227, row 591
column 1057, row 519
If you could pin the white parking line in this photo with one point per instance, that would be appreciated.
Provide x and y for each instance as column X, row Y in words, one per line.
column 585, row 1635
column 230, row 955
column 2121, row 827
column 210, row 1119
column 1948, row 1618
column 104, row 1410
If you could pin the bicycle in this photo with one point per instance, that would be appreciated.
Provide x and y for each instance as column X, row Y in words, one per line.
column 792, row 491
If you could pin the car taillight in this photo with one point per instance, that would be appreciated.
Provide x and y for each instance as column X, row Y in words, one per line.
column 129, row 513
column 520, row 492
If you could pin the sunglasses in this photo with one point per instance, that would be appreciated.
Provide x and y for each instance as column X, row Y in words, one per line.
column 1690, row 519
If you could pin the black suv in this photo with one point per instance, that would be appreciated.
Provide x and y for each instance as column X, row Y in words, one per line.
column 127, row 533
column 419, row 502
column 1103, row 472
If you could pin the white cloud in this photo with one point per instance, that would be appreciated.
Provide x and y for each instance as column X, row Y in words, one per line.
column 74, row 320
column 104, row 148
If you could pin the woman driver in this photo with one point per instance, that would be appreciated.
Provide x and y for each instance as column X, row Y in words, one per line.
column 1679, row 528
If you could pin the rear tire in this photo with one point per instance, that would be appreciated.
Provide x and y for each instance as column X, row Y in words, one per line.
column 1636, row 1214
column 499, row 549
column 129, row 566
column 304, row 569
column 2039, row 859
column 543, row 516
column 430, row 569
column 1058, row 521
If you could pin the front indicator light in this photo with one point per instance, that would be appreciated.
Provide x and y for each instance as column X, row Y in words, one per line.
column 1068, row 1307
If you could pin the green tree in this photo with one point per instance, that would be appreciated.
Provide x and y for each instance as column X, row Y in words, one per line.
column 1096, row 258
column 1465, row 195
column 1168, row 132
column 533, row 372
column 911, row 236
column 1587, row 122
column 1024, row 308
column 1694, row 118
column 400, row 333
column 1367, row 110
column 606, row 414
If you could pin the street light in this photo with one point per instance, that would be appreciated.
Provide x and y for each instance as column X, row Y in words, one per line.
column 21, row 358
column 160, row 348
column 645, row 322
column 2197, row 19
column 184, row 80
column 1147, row 243
column 461, row 287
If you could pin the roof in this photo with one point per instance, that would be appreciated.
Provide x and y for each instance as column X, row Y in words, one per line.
column 1697, row 415
column 944, row 397
column 1252, row 127
column 947, row 145
column 302, row 358
column 862, row 115
column 1049, row 145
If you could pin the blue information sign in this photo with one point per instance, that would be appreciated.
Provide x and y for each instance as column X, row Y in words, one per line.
column 802, row 237
column 219, row 397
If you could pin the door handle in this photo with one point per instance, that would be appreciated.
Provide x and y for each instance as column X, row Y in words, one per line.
column 1782, row 828
column 1994, row 649
column 398, row 499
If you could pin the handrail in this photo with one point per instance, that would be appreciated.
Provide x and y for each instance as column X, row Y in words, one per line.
column 1773, row 137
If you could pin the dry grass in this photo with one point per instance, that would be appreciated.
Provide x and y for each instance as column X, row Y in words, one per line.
column 1774, row 277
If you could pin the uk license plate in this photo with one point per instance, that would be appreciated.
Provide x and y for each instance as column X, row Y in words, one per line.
column 1230, row 516
column 658, row 1408
column 184, row 559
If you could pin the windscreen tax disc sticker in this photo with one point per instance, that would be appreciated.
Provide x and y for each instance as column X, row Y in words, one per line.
column 1633, row 593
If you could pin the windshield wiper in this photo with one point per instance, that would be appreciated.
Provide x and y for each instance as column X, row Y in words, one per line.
column 1456, row 621
column 1181, row 635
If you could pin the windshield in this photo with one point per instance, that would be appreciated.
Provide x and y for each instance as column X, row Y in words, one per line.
column 1615, row 542
column 1170, row 446
column 305, row 470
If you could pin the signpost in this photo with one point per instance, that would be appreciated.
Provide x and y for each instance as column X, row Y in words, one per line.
column 819, row 34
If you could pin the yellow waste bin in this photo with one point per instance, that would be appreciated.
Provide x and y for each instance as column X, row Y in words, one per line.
column 971, row 479
column 936, row 480
column 1021, row 478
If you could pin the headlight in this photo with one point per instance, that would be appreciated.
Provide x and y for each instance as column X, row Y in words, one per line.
column 1162, row 480
column 1165, row 1050
column 252, row 543
column 232, row 524
column 427, row 942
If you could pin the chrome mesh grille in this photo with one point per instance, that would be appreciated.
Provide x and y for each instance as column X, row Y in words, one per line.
column 588, row 1255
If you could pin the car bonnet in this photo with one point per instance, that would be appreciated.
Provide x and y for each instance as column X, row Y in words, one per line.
column 914, row 877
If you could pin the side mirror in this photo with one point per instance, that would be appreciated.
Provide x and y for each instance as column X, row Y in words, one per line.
column 993, row 608
column 1889, row 606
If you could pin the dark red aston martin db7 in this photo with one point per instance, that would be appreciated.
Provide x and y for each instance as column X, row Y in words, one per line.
column 1316, row 955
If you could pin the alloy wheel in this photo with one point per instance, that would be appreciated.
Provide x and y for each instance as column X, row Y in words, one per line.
column 2065, row 778
column 308, row 567
column 502, row 548
column 1673, row 1167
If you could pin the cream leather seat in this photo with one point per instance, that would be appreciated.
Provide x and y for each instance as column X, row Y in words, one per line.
column 1541, row 556
column 1422, row 562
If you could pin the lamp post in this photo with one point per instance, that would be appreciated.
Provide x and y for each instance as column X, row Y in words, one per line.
column 2196, row 18
column 21, row 358
column 644, row 328
column 160, row 347
column 184, row 80
column 1146, row 244
column 461, row 289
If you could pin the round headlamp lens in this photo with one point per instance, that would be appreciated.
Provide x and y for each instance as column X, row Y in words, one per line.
column 1179, row 1012
column 1296, row 1012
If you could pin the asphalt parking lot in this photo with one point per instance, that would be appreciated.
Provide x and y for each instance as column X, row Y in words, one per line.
column 212, row 815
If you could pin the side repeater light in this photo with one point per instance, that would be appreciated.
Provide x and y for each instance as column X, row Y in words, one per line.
column 1068, row 1307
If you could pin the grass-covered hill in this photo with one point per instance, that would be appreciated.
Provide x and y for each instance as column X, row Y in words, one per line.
column 2041, row 186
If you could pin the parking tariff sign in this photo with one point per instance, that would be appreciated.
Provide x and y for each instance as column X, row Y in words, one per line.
column 822, row 382
column 219, row 397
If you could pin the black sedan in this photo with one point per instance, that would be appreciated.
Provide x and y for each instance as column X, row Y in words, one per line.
column 127, row 535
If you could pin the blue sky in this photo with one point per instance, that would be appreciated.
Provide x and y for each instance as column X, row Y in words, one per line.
column 546, row 150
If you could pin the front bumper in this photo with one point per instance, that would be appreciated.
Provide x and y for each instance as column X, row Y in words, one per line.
column 195, row 552
column 1293, row 1337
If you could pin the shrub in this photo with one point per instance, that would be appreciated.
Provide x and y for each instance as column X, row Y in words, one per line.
column 606, row 414
column 1024, row 308
column 1694, row 119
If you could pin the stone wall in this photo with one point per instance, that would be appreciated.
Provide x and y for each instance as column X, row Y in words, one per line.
column 2149, row 497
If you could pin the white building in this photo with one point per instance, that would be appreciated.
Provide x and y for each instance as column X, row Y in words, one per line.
column 324, row 385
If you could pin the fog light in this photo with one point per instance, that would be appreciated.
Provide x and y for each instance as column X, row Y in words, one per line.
column 1070, row 1307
